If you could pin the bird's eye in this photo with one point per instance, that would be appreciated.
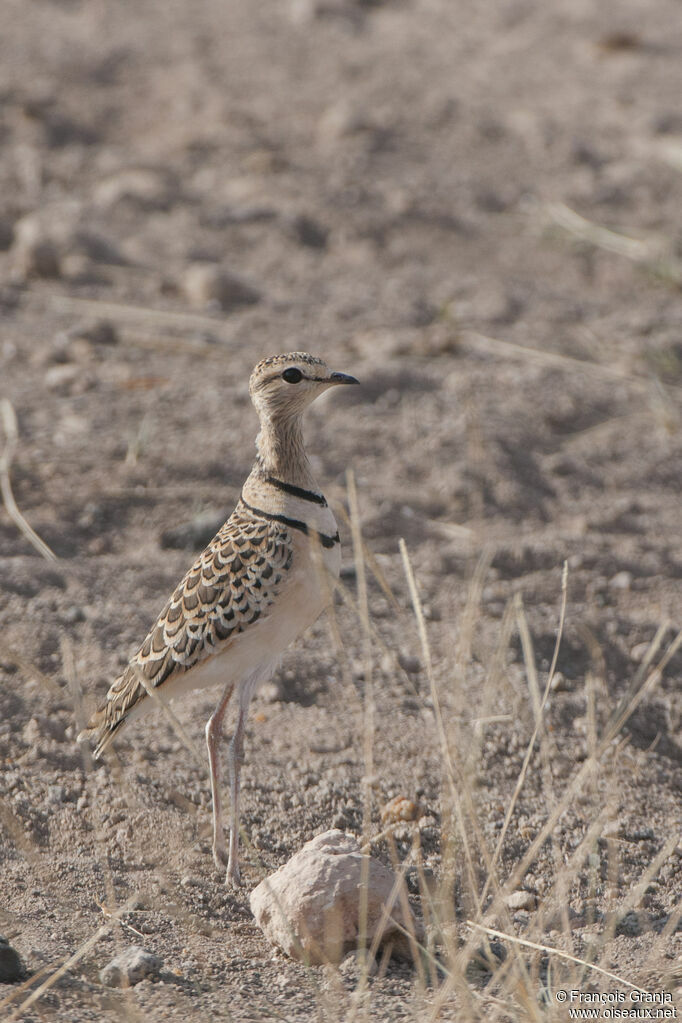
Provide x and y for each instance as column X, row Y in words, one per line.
column 292, row 375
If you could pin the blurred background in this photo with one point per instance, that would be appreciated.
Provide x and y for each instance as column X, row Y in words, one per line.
column 475, row 208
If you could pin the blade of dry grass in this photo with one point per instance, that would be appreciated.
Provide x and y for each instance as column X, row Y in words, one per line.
column 639, row 675
column 368, row 735
column 529, row 660
column 573, row 788
column 538, row 719
column 370, row 560
column 624, row 711
column 549, row 950
column 125, row 311
column 510, row 349
column 10, row 656
column 636, row 892
column 67, row 965
column 76, row 692
column 160, row 701
column 460, row 790
column 638, row 250
column 437, row 711
column 472, row 608
column 9, row 422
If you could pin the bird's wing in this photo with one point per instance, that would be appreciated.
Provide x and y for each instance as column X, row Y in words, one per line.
column 230, row 586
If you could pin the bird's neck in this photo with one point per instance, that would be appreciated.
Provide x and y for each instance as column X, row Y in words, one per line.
column 281, row 451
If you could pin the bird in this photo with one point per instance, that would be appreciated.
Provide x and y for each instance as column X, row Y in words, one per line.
column 262, row 580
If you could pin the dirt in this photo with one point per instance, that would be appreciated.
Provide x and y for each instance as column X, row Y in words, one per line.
column 186, row 188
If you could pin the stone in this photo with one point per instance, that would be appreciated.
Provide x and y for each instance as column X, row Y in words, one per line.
column 11, row 967
column 621, row 581
column 400, row 808
column 308, row 232
column 409, row 662
column 35, row 251
column 611, row 829
column 67, row 378
column 210, row 284
column 639, row 651
column 145, row 187
column 99, row 332
column 337, row 122
column 520, row 900
column 130, row 967
column 558, row 684
column 310, row 907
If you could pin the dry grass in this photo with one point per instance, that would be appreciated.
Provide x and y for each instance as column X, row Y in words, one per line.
column 11, row 430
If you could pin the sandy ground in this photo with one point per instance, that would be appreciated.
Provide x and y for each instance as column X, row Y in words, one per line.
column 477, row 210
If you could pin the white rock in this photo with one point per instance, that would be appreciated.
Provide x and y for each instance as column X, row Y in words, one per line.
column 35, row 251
column 611, row 829
column 310, row 907
column 520, row 900
column 130, row 967
column 639, row 651
column 621, row 581
column 62, row 376
column 337, row 121
column 144, row 186
column 558, row 682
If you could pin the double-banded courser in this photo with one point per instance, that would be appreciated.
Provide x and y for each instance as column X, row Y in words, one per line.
column 263, row 579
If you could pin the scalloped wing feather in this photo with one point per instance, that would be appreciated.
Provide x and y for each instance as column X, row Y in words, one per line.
column 229, row 588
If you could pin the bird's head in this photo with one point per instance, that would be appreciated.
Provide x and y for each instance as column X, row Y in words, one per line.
column 282, row 386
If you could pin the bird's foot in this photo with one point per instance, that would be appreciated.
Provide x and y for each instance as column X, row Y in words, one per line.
column 233, row 878
column 220, row 857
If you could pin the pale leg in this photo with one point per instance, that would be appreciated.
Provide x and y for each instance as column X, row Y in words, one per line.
column 214, row 728
column 235, row 760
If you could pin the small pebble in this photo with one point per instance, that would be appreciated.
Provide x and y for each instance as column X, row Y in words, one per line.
column 409, row 663
column 621, row 581
column 558, row 684
column 611, row 829
column 11, row 967
column 62, row 376
column 520, row 900
column 639, row 651
column 142, row 186
column 209, row 284
column 73, row 614
column 639, row 835
column 309, row 232
column 400, row 808
column 130, row 967
column 101, row 332
column 31, row 732
column 190, row 881
column 56, row 794
column 35, row 253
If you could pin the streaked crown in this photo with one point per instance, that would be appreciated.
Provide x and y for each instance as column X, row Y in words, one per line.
column 283, row 385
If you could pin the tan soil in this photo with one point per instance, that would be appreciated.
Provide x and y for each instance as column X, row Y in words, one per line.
column 379, row 184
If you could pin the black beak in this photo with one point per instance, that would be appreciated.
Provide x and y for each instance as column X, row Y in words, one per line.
column 342, row 378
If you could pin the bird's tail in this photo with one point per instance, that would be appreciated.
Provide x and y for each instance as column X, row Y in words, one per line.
column 124, row 694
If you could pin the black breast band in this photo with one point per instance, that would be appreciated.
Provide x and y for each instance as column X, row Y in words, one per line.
column 326, row 541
